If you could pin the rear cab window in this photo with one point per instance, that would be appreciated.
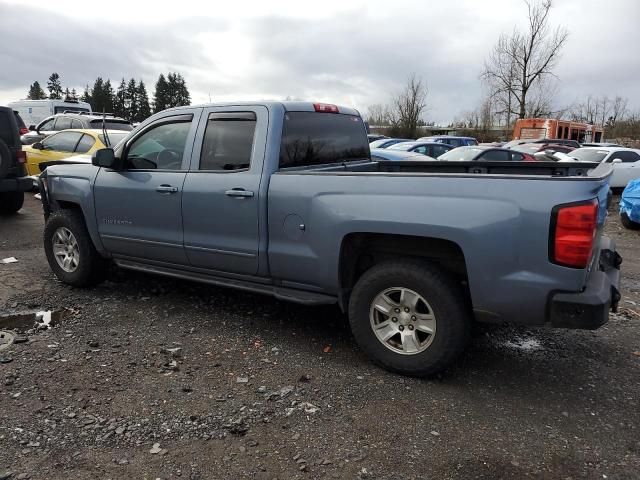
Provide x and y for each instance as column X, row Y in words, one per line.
column 320, row 138
column 228, row 141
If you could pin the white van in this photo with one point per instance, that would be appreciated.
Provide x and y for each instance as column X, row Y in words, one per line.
column 34, row 111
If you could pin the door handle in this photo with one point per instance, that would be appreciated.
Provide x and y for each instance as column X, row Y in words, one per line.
column 239, row 192
column 164, row 188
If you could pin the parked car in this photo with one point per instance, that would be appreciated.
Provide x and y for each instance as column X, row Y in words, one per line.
column 450, row 140
column 549, row 148
column 76, row 121
column 66, row 144
column 558, row 141
column 431, row 149
column 387, row 154
column 486, row 154
column 35, row 111
column 601, row 145
column 283, row 199
column 626, row 162
column 374, row 136
column 387, row 142
column 630, row 205
column 13, row 182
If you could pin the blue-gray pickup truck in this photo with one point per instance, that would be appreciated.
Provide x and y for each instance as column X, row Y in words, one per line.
column 284, row 199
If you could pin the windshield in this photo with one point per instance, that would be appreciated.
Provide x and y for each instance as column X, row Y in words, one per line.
column 526, row 148
column 401, row 146
column 115, row 138
column 462, row 154
column 112, row 125
column 589, row 155
column 379, row 143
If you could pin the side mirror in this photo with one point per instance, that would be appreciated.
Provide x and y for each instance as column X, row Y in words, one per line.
column 38, row 146
column 616, row 160
column 104, row 157
column 32, row 128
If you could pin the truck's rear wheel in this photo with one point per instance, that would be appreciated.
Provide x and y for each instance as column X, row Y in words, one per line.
column 11, row 202
column 409, row 317
column 70, row 251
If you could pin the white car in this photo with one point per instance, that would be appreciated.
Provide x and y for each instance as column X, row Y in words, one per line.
column 626, row 161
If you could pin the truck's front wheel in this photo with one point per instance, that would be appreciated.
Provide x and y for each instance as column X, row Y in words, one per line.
column 409, row 317
column 70, row 251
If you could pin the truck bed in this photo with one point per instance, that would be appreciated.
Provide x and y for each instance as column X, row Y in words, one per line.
column 519, row 169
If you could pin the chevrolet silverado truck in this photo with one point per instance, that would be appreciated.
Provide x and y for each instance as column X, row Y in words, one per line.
column 284, row 199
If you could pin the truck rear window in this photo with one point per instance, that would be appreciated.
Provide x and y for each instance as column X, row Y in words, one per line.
column 310, row 138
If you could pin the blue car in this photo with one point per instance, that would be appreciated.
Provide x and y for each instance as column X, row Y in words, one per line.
column 451, row 140
column 387, row 142
column 630, row 205
column 430, row 149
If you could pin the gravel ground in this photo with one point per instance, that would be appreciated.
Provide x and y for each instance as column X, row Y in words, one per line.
column 144, row 377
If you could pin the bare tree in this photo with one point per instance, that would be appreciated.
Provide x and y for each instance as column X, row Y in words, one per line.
column 408, row 106
column 377, row 114
column 521, row 60
column 618, row 110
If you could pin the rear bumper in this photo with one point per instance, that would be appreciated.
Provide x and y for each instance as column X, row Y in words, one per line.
column 589, row 309
column 19, row 184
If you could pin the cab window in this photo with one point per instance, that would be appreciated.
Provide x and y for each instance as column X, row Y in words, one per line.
column 160, row 148
column 228, row 141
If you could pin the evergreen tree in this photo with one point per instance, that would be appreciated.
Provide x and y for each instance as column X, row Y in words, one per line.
column 74, row 94
column 109, row 95
column 177, row 92
column 132, row 100
column 54, row 87
column 67, row 94
column 102, row 96
column 119, row 104
column 36, row 92
column 86, row 95
column 144, row 110
column 160, row 99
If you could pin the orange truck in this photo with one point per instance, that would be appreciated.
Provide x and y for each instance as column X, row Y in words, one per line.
column 539, row 128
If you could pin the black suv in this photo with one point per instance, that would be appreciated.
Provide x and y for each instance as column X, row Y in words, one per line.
column 13, row 180
column 64, row 121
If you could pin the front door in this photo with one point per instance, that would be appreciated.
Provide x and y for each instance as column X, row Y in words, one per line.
column 222, row 190
column 626, row 170
column 139, row 207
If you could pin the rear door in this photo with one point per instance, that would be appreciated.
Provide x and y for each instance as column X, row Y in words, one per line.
column 139, row 207
column 222, row 190
column 625, row 171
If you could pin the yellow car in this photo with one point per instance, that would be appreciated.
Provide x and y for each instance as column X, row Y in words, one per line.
column 66, row 144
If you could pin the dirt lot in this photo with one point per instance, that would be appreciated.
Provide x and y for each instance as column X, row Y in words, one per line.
column 154, row 378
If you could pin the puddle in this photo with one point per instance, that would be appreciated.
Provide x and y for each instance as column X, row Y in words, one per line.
column 524, row 344
column 40, row 320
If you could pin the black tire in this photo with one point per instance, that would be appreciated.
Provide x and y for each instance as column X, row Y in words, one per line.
column 91, row 268
column 5, row 159
column 446, row 298
column 11, row 202
column 628, row 223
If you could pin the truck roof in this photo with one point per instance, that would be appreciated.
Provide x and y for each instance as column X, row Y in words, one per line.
column 288, row 106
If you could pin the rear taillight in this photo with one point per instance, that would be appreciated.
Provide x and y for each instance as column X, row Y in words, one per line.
column 573, row 230
column 325, row 108
column 24, row 130
column 21, row 156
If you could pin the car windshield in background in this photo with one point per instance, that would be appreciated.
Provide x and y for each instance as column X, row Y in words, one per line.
column 402, row 146
column 526, row 148
column 589, row 155
column 379, row 143
column 115, row 138
column 462, row 154
column 310, row 138
column 112, row 125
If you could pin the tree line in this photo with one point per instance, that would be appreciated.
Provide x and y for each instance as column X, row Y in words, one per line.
column 518, row 81
column 129, row 100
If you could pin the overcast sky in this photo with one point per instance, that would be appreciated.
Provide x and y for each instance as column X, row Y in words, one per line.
column 349, row 52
